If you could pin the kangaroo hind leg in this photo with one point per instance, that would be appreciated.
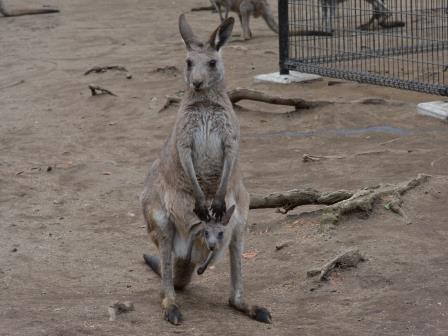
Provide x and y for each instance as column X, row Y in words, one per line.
column 236, row 297
column 246, row 9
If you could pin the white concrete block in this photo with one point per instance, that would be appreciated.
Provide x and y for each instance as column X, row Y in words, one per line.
column 293, row 77
column 437, row 109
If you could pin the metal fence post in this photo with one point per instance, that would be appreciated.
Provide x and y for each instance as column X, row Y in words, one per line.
column 283, row 35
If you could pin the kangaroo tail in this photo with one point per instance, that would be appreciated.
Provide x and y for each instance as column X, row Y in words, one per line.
column 269, row 18
column 153, row 262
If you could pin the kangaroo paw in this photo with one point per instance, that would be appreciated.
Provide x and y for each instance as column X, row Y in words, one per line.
column 257, row 313
column 153, row 262
column 173, row 315
column 261, row 314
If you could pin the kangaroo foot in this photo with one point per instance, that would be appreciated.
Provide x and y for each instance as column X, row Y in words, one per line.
column 262, row 315
column 172, row 314
column 255, row 312
column 153, row 262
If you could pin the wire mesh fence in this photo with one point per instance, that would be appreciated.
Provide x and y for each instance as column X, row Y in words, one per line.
column 397, row 43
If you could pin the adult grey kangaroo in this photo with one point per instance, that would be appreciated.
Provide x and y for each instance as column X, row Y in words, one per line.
column 198, row 169
column 245, row 9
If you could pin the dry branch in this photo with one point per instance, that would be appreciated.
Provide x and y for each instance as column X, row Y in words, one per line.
column 97, row 90
column 203, row 8
column 340, row 202
column 239, row 94
column 293, row 198
column 101, row 69
column 13, row 84
column 350, row 258
column 364, row 199
column 170, row 100
column 20, row 12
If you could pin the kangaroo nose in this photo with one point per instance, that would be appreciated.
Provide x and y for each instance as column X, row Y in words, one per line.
column 211, row 246
column 197, row 84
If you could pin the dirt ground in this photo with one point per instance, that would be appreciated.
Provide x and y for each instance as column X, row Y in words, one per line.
column 72, row 167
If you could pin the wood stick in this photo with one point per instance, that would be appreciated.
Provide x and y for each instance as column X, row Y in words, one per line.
column 97, row 90
column 350, row 258
column 21, row 12
column 100, row 69
column 203, row 8
column 293, row 198
column 239, row 94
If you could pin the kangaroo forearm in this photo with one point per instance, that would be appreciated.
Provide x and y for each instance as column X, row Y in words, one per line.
column 187, row 164
column 229, row 164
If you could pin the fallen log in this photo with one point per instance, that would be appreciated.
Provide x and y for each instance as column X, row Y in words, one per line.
column 291, row 199
column 340, row 202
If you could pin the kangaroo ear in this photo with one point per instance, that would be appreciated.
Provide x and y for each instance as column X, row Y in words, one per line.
column 187, row 33
column 228, row 215
column 221, row 34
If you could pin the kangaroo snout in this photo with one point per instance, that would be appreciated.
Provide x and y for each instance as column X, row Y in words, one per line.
column 198, row 85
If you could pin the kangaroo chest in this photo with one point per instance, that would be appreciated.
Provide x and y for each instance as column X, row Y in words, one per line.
column 208, row 132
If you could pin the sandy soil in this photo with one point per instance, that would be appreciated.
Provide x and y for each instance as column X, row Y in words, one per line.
column 72, row 167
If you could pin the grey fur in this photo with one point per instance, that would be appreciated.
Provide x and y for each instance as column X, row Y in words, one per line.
column 245, row 9
column 198, row 168
column 329, row 11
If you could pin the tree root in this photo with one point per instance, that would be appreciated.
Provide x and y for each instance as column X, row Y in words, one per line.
column 340, row 202
column 350, row 258
column 97, row 90
column 21, row 12
column 101, row 69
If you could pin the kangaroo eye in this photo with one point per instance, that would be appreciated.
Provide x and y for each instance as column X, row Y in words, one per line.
column 206, row 234
column 189, row 64
column 212, row 63
column 221, row 235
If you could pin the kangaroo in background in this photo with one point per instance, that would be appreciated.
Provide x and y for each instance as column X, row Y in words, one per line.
column 245, row 9
column 198, row 169
column 380, row 14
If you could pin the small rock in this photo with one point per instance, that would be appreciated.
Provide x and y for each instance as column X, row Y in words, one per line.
column 14, row 249
column 129, row 76
column 119, row 308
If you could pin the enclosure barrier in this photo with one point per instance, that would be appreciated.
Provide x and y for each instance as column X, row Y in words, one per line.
column 396, row 43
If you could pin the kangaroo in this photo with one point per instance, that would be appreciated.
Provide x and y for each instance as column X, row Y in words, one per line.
column 20, row 12
column 245, row 9
column 197, row 170
column 213, row 235
column 256, row 8
column 380, row 13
